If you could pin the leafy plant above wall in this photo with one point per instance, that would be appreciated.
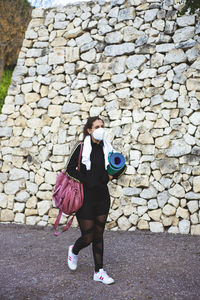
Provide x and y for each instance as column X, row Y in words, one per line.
column 5, row 82
column 191, row 6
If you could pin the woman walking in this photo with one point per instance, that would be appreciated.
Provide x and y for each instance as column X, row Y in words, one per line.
column 92, row 215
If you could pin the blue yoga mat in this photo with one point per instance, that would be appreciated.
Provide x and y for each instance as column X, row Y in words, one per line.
column 116, row 162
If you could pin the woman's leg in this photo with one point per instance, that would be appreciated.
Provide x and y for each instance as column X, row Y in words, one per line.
column 87, row 235
column 97, row 245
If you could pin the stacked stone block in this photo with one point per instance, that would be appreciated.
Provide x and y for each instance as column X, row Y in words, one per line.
column 136, row 64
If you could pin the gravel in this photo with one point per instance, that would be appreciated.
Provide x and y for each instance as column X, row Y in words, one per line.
column 145, row 265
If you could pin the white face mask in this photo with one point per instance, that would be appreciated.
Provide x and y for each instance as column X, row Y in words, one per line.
column 98, row 134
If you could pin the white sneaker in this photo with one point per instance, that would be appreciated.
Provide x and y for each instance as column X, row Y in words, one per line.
column 72, row 259
column 102, row 276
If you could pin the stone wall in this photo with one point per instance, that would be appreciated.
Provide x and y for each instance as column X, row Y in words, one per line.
column 136, row 64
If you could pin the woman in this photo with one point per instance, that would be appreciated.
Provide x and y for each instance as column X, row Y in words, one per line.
column 94, row 211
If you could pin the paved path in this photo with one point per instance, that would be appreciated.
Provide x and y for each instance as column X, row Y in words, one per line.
column 145, row 266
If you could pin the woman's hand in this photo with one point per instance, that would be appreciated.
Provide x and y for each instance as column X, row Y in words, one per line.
column 110, row 177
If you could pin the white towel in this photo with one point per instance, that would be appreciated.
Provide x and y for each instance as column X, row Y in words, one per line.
column 87, row 149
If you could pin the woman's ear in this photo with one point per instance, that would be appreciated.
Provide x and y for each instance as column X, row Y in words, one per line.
column 89, row 131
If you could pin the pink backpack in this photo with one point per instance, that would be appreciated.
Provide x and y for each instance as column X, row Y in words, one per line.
column 68, row 196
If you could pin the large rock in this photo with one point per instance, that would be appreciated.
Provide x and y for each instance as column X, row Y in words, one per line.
column 7, row 215
column 150, row 15
column 22, row 196
column 195, row 118
column 3, row 200
column 147, row 73
column 143, row 225
column 156, row 227
column 162, row 142
column 131, row 34
column 138, row 201
column 193, row 206
column 185, row 20
column 38, row 13
column 133, row 219
column 135, row 61
column 195, row 229
column 31, row 98
column 169, row 210
column 32, row 220
column 12, row 187
column 57, row 57
column 114, row 38
column 19, row 218
column 155, row 214
column 162, row 198
column 70, row 107
column 126, row 14
column 31, row 202
column 19, row 207
column 168, row 165
column 83, row 39
column 171, row 95
column 149, row 193
column 61, row 150
column 196, row 184
column 183, row 34
column 131, row 191
column 6, row 132
column 193, row 84
column 113, row 13
column 50, row 177
column 175, row 56
column 8, row 109
column 178, row 148
column 34, row 53
column 140, row 181
column 43, row 207
column 31, row 187
column 89, row 56
column 115, row 214
column 16, row 174
column 183, row 213
column 177, row 191
column 73, row 33
column 43, row 69
column 116, row 50
column 123, row 223
column 115, row 190
column 152, row 204
column 72, row 54
column 184, row 226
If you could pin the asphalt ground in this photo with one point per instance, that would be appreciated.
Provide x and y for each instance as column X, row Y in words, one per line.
column 144, row 265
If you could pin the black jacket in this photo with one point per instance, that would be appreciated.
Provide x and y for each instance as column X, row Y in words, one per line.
column 97, row 176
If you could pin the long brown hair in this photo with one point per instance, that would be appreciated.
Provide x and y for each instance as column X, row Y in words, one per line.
column 89, row 124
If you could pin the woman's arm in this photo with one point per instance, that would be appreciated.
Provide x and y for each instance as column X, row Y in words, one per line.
column 119, row 173
column 72, row 166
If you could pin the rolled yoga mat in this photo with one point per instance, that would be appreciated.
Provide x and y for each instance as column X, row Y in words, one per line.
column 116, row 162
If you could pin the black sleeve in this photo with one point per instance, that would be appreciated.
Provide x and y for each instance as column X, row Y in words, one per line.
column 73, row 164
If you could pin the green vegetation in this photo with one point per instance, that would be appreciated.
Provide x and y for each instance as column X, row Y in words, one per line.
column 192, row 6
column 5, row 82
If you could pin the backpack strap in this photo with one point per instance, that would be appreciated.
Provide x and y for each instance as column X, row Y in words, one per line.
column 69, row 223
column 79, row 158
column 72, row 152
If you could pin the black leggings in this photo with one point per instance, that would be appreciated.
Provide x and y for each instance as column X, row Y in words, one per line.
column 92, row 232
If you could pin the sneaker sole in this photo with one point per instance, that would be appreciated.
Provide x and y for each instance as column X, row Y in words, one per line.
column 97, row 280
